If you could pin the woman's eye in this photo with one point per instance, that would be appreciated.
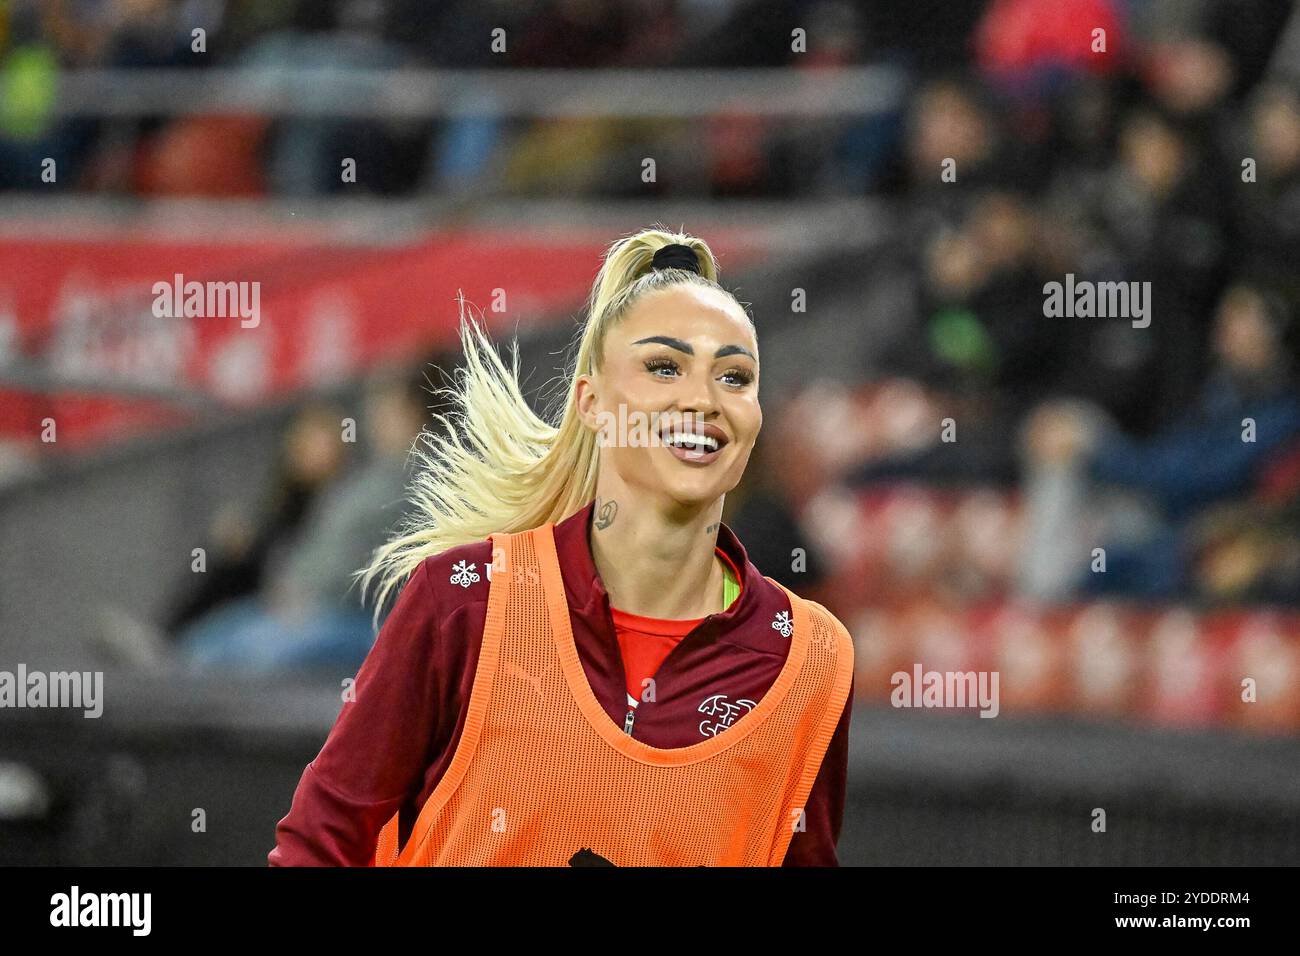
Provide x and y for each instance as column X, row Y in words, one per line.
column 741, row 376
column 655, row 365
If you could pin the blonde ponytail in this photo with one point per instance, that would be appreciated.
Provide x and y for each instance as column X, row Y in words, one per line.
column 499, row 466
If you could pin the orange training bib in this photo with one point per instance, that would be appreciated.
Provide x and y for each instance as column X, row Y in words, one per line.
column 541, row 773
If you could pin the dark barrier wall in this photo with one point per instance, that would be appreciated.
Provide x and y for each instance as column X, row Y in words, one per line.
column 128, row 787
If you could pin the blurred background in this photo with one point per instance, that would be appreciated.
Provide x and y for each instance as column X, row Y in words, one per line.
column 1107, row 515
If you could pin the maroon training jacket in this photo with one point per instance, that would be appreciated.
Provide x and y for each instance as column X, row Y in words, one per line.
column 391, row 745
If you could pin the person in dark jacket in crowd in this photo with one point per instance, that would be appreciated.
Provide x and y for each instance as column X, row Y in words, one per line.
column 1142, row 494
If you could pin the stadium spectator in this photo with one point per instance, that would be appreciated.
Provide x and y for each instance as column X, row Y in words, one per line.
column 309, row 616
column 311, row 457
column 1090, row 485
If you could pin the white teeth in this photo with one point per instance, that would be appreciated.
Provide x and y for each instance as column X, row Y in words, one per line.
column 681, row 439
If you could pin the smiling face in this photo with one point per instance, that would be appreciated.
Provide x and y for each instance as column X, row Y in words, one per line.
column 682, row 358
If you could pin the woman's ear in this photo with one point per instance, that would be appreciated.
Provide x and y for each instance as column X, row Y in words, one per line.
column 586, row 399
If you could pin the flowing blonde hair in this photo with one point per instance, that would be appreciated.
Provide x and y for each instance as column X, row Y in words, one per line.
column 499, row 467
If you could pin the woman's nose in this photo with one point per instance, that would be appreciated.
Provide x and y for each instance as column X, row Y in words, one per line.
column 696, row 394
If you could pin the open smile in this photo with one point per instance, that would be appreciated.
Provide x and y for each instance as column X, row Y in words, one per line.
column 695, row 444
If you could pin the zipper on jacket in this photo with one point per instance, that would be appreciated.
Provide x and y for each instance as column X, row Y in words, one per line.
column 627, row 721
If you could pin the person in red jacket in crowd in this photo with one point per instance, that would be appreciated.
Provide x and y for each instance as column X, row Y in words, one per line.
column 582, row 666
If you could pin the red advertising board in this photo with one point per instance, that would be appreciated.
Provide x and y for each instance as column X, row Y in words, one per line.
column 237, row 323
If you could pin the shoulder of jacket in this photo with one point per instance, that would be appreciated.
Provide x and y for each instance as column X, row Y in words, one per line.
column 459, row 575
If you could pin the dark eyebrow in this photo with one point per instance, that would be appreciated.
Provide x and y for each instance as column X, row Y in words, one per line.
column 669, row 341
column 681, row 346
column 733, row 350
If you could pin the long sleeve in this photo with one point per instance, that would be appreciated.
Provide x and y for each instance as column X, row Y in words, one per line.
column 824, row 815
column 378, row 750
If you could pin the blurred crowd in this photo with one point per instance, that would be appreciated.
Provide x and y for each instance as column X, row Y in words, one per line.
column 257, row 156
column 1172, row 447
column 279, row 592
column 1029, row 50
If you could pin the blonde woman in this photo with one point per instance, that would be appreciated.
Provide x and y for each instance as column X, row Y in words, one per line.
column 582, row 667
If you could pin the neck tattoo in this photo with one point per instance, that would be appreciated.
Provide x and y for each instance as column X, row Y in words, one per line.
column 605, row 512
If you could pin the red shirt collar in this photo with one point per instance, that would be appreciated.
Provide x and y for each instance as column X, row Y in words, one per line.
column 588, row 597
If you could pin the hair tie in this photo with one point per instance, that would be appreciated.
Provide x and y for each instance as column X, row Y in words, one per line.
column 676, row 256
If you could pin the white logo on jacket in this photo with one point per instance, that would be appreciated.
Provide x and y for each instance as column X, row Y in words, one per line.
column 783, row 624
column 726, row 713
column 464, row 574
